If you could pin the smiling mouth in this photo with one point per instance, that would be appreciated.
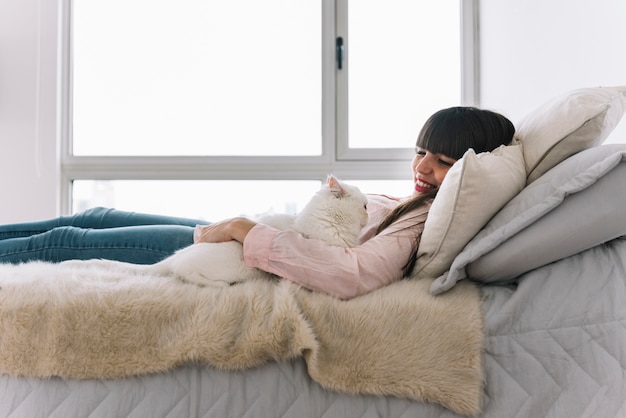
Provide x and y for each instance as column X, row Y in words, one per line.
column 424, row 187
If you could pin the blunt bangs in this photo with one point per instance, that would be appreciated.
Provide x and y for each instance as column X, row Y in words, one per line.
column 453, row 131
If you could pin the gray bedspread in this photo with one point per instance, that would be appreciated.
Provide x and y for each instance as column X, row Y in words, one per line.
column 556, row 345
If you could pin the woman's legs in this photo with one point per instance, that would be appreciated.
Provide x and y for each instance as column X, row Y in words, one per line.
column 97, row 233
column 97, row 218
column 135, row 244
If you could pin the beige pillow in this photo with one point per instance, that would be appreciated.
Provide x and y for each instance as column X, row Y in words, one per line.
column 567, row 124
column 475, row 188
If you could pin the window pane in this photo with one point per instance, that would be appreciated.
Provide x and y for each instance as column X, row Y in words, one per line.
column 392, row 188
column 211, row 200
column 197, row 77
column 404, row 64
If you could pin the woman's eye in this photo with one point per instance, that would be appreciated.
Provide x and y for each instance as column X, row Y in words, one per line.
column 446, row 163
column 420, row 152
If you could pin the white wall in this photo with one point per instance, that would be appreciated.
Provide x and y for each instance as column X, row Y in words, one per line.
column 28, row 149
column 531, row 50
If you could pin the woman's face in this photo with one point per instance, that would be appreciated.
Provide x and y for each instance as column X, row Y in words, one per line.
column 429, row 170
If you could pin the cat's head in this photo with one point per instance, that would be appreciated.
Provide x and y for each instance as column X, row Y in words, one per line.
column 348, row 200
column 336, row 214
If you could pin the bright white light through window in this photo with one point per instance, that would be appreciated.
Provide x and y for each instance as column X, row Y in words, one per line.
column 404, row 65
column 197, row 77
column 209, row 200
column 212, row 200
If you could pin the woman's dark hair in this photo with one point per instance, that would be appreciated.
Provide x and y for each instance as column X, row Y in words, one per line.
column 452, row 132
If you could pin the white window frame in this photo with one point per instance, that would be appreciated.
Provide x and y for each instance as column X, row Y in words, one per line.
column 336, row 156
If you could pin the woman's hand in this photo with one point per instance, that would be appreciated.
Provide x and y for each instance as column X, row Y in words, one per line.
column 228, row 230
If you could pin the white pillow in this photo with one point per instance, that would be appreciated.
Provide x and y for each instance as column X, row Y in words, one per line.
column 475, row 188
column 567, row 124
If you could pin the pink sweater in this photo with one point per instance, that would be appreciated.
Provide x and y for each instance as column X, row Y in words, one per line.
column 341, row 272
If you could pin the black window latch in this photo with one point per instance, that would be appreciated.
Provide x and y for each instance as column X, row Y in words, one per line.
column 339, row 52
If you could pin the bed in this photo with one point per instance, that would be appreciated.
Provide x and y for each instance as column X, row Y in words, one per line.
column 516, row 307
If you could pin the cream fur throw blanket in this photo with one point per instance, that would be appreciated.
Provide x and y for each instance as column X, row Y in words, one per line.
column 79, row 323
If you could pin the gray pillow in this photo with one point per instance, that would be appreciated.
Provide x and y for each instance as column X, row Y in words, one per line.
column 576, row 205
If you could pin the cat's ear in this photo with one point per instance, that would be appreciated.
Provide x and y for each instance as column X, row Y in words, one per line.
column 335, row 186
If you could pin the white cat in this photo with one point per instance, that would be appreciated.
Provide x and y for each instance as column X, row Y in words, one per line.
column 336, row 214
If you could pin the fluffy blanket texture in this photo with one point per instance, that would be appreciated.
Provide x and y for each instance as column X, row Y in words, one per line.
column 79, row 323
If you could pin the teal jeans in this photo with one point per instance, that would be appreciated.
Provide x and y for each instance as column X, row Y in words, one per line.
column 97, row 233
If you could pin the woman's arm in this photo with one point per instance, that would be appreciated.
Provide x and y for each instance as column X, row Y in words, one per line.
column 341, row 272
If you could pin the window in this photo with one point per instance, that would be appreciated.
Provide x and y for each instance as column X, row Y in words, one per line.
column 222, row 99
